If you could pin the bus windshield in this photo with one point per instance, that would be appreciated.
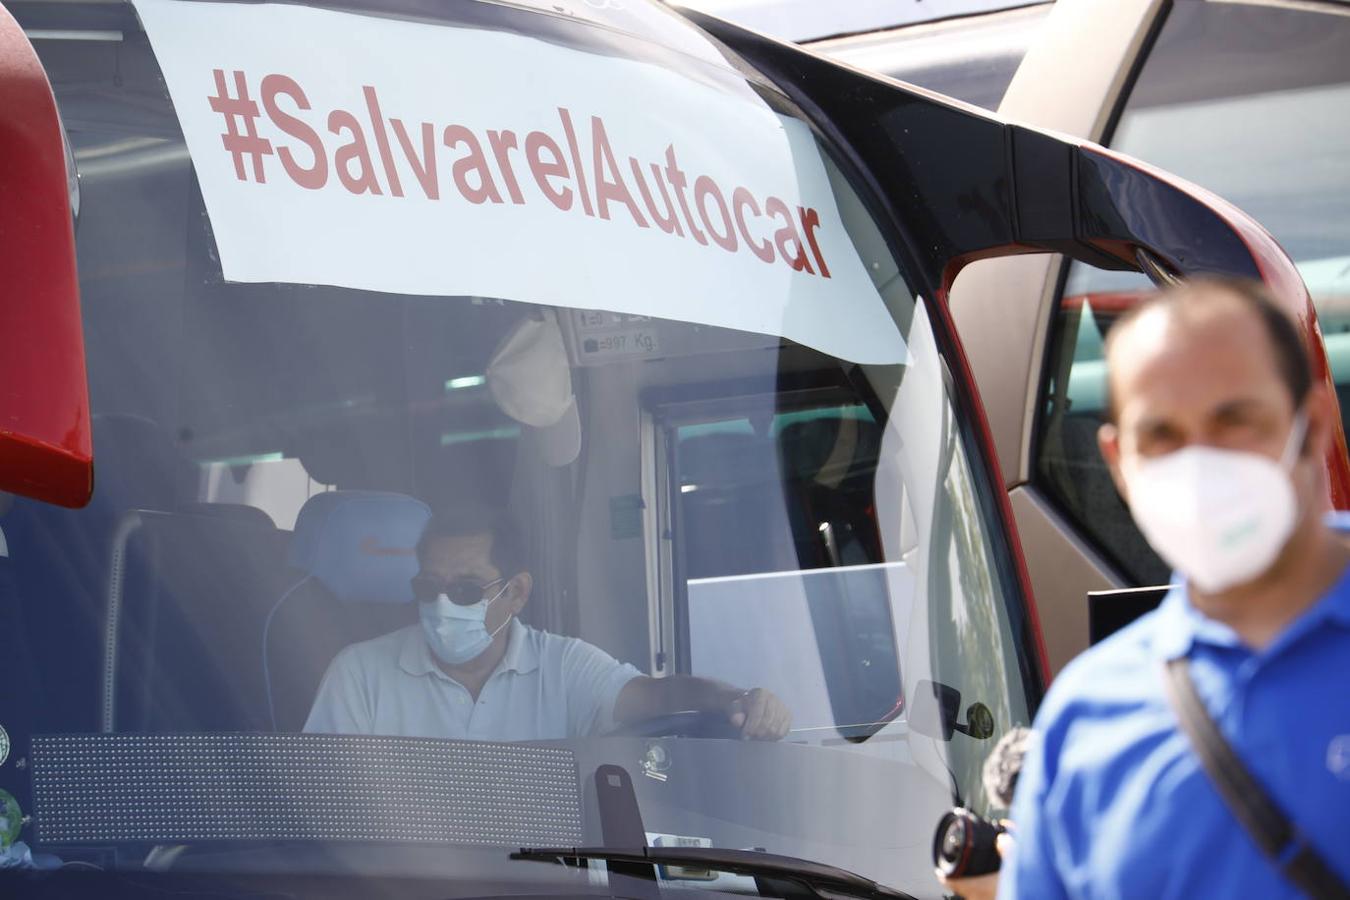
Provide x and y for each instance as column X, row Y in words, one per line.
column 492, row 412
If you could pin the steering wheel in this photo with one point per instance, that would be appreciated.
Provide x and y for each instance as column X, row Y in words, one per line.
column 694, row 723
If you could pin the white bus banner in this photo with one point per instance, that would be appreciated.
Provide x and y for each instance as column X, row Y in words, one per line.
column 379, row 154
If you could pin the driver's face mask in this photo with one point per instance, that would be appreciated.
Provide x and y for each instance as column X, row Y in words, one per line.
column 457, row 633
column 1219, row 517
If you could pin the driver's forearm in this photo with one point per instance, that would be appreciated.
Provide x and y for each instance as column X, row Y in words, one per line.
column 643, row 697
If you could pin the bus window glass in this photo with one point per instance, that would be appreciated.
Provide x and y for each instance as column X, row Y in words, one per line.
column 651, row 460
column 1068, row 463
column 808, row 480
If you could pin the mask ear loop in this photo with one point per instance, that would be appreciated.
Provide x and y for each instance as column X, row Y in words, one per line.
column 1293, row 447
column 507, row 620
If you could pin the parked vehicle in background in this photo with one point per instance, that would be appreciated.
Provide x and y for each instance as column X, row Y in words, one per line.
column 1247, row 99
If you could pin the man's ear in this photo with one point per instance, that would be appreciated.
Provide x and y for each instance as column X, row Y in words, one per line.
column 1323, row 421
column 1323, row 414
column 1108, row 442
column 521, row 585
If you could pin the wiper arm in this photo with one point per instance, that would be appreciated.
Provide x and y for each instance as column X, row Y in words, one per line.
column 825, row 881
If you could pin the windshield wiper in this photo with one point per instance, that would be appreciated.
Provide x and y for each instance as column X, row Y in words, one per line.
column 824, row 881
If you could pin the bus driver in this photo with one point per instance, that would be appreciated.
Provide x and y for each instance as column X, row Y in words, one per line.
column 472, row 670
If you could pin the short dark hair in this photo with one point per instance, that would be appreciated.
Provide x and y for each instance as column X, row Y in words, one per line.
column 507, row 550
column 1291, row 353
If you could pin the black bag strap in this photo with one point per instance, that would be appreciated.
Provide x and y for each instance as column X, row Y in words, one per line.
column 1267, row 824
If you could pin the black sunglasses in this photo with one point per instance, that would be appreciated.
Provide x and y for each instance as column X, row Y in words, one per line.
column 461, row 591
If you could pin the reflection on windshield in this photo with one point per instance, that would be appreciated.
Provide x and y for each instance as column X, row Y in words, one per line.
column 411, row 568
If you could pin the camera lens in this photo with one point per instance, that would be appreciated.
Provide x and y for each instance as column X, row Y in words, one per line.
column 965, row 844
column 953, row 839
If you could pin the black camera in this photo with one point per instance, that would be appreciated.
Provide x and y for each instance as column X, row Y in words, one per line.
column 965, row 844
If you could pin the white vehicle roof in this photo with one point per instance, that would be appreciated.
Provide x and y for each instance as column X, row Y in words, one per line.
column 809, row 20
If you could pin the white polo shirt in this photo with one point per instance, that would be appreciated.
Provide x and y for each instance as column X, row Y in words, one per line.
column 546, row 686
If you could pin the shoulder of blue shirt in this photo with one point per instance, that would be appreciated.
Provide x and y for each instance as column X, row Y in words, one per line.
column 1117, row 660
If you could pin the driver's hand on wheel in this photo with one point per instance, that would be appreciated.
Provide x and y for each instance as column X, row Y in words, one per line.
column 759, row 715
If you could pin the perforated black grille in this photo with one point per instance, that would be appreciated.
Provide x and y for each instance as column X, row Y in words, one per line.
column 186, row 787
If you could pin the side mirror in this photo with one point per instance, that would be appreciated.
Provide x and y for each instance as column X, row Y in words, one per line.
column 935, row 708
column 46, row 448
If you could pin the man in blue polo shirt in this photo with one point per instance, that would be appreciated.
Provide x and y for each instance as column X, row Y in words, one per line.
column 1216, row 440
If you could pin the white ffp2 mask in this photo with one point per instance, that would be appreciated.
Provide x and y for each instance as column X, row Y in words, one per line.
column 1219, row 517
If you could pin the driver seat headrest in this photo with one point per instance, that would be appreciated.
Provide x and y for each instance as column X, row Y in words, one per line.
column 361, row 545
